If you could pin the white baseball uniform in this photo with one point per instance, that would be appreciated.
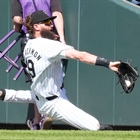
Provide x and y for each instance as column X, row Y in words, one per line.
column 22, row 96
column 43, row 58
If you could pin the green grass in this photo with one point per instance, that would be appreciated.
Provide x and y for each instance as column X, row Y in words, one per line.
column 68, row 135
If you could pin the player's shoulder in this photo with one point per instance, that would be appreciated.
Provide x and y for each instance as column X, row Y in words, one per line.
column 38, row 40
column 43, row 41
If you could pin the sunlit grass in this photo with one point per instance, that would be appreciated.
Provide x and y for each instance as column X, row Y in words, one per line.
column 68, row 135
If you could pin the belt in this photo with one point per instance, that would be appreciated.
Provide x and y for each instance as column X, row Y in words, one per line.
column 51, row 97
column 48, row 98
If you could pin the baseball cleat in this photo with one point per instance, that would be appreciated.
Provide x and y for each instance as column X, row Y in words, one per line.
column 106, row 127
column 32, row 125
column 45, row 123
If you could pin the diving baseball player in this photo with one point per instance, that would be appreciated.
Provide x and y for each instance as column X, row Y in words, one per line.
column 43, row 55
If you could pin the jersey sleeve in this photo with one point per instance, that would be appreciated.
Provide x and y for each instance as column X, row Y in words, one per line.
column 55, row 50
column 58, row 50
column 16, row 8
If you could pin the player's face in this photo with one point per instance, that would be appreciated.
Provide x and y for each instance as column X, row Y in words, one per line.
column 47, row 24
column 46, row 32
column 45, row 28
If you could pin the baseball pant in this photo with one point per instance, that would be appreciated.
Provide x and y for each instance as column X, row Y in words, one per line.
column 58, row 109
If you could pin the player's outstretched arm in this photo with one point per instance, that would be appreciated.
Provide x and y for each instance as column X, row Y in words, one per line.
column 91, row 59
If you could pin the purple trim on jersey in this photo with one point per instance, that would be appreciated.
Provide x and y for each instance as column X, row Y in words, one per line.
column 28, row 8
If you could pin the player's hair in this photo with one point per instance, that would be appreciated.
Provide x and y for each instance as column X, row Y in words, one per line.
column 28, row 25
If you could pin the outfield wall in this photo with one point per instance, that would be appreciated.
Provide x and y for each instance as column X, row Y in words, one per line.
column 108, row 28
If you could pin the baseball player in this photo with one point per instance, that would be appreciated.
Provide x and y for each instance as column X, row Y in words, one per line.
column 43, row 55
column 43, row 59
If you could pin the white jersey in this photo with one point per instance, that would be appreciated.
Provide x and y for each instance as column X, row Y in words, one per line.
column 43, row 58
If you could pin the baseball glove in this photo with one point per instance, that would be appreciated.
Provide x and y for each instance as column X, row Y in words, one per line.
column 127, row 76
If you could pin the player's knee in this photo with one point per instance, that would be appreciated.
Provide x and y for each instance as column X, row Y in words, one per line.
column 97, row 126
column 2, row 94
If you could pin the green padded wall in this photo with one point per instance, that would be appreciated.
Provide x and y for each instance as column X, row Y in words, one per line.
column 108, row 28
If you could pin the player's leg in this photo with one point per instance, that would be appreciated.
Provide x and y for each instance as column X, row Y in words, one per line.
column 69, row 113
column 21, row 96
column 76, row 117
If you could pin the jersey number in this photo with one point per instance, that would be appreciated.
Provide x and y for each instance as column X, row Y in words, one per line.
column 30, row 66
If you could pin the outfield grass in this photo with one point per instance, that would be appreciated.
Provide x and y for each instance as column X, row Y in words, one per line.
column 68, row 135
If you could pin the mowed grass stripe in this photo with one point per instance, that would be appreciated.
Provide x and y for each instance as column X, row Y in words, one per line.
column 68, row 135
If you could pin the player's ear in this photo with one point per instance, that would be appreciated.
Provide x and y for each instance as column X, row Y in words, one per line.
column 36, row 26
